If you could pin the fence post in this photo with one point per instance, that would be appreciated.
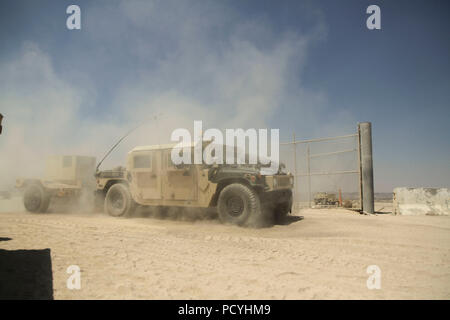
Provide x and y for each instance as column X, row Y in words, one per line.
column 309, row 174
column 295, row 169
column 359, row 169
column 365, row 141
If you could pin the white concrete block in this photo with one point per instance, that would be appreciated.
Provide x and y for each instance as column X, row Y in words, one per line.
column 421, row 201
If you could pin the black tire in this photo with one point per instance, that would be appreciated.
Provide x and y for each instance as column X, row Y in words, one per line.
column 118, row 201
column 36, row 198
column 239, row 205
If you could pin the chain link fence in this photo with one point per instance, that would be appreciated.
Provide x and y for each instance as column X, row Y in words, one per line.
column 326, row 170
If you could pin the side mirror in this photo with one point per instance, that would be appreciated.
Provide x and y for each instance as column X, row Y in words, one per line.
column 1, row 118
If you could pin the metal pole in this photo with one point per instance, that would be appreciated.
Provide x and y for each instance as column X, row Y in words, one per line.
column 365, row 129
column 309, row 174
column 359, row 170
column 295, row 168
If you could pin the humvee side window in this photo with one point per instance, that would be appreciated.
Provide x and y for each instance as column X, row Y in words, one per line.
column 142, row 161
column 67, row 161
column 170, row 163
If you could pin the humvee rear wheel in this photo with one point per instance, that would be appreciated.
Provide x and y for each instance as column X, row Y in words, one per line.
column 36, row 198
column 118, row 201
column 238, row 204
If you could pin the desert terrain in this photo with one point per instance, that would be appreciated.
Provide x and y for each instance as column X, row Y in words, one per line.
column 316, row 254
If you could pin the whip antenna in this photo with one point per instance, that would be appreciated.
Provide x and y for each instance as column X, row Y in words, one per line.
column 123, row 137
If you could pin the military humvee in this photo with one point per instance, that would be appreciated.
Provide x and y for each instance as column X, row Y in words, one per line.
column 240, row 193
column 324, row 198
column 65, row 177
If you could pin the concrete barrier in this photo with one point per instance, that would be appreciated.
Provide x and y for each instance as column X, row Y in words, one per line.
column 421, row 201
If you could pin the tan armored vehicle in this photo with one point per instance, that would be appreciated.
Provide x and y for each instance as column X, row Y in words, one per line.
column 241, row 194
column 66, row 177
column 324, row 198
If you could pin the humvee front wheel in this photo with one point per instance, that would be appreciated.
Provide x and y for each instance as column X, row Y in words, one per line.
column 36, row 198
column 118, row 201
column 238, row 204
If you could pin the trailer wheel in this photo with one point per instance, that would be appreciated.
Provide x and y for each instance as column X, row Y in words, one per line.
column 239, row 204
column 118, row 201
column 36, row 198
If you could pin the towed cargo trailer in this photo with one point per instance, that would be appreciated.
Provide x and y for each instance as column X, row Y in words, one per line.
column 66, row 178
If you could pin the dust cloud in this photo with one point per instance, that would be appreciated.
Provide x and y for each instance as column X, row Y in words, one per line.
column 231, row 83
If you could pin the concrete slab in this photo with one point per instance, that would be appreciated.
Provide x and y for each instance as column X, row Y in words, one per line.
column 421, row 201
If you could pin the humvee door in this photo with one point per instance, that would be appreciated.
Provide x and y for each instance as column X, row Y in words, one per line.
column 179, row 183
column 147, row 172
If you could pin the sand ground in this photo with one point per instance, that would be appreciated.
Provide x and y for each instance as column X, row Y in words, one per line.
column 321, row 254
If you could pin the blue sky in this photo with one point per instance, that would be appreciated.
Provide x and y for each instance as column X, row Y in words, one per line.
column 306, row 66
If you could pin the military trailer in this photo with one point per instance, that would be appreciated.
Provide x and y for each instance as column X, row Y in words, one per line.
column 66, row 177
column 240, row 193
column 325, row 199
